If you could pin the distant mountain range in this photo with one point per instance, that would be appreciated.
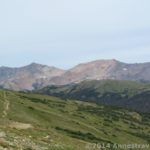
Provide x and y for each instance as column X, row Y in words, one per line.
column 36, row 76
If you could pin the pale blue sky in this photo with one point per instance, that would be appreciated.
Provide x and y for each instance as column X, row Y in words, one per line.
column 63, row 33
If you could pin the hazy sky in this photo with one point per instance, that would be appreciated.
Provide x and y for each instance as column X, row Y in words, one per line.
column 63, row 33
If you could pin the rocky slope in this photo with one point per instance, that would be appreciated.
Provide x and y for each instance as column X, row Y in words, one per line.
column 37, row 76
column 104, row 69
column 26, row 78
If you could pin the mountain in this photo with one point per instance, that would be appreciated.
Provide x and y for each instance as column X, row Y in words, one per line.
column 127, row 94
column 97, row 70
column 36, row 122
column 104, row 69
column 26, row 78
column 36, row 76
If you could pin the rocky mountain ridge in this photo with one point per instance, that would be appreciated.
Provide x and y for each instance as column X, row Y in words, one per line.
column 38, row 76
column 25, row 78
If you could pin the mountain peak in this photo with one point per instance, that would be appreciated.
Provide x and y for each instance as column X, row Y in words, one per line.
column 105, row 61
column 35, row 64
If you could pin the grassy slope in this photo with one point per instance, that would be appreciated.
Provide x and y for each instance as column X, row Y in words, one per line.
column 66, row 125
column 128, row 94
column 103, row 86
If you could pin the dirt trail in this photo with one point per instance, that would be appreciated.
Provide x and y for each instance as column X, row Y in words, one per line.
column 6, row 106
column 13, row 124
column 19, row 125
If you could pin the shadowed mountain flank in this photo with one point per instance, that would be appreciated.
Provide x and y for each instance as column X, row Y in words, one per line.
column 127, row 94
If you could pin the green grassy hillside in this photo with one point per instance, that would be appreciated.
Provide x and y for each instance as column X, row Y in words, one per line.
column 37, row 122
column 127, row 94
